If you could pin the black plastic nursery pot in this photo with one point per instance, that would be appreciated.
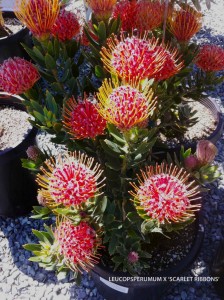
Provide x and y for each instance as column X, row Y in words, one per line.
column 10, row 46
column 121, row 286
column 18, row 189
column 213, row 137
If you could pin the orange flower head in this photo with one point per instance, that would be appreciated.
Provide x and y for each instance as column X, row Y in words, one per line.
column 83, row 120
column 132, row 58
column 171, row 66
column 185, row 23
column 164, row 194
column 70, row 179
column 102, row 9
column 125, row 106
column 17, row 75
column 38, row 15
column 149, row 15
column 66, row 26
column 210, row 58
column 127, row 11
column 78, row 244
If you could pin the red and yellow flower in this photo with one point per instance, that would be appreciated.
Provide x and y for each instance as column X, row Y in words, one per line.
column 78, row 244
column 132, row 58
column 165, row 194
column 38, row 15
column 66, row 26
column 210, row 58
column 102, row 9
column 17, row 75
column 125, row 106
column 185, row 23
column 82, row 120
column 70, row 179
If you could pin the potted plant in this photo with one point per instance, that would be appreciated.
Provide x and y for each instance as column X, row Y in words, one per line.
column 12, row 34
column 114, row 200
column 18, row 188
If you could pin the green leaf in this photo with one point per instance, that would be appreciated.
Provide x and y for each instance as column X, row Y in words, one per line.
column 32, row 247
column 50, row 62
column 102, row 31
column 99, row 72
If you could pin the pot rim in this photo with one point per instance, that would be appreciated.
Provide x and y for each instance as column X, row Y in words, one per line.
column 16, row 101
column 105, row 272
column 23, row 31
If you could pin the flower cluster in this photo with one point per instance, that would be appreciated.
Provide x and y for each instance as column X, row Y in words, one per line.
column 17, row 75
column 165, row 195
column 82, row 120
column 125, row 106
column 210, row 58
column 70, row 179
column 102, row 9
column 78, row 245
column 38, row 15
column 66, row 26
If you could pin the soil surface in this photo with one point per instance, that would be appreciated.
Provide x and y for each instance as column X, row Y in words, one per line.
column 14, row 127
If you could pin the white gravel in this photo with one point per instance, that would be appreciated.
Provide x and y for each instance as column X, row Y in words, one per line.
column 20, row 279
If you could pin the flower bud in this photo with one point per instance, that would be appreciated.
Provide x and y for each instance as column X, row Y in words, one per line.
column 33, row 152
column 206, row 152
column 41, row 199
column 191, row 162
column 133, row 257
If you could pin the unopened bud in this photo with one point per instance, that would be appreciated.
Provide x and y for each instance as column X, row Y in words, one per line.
column 33, row 152
column 133, row 257
column 206, row 152
column 191, row 162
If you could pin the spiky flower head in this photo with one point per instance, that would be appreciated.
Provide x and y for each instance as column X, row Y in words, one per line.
column 149, row 15
column 164, row 194
column 102, row 9
column 206, row 152
column 125, row 106
column 127, row 12
column 82, row 120
column 38, row 15
column 172, row 64
column 210, row 58
column 185, row 23
column 70, row 179
column 17, row 75
column 133, row 257
column 78, row 244
column 132, row 57
column 66, row 26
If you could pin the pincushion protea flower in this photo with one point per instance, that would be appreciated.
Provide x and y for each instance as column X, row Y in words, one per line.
column 210, row 58
column 70, row 179
column 127, row 12
column 206, row 152
column 185, row 23
column 83, row 120
column 17, row 75
column 38, row 15
column 132, row 57
column 149, row 15
column 78, row 245
column 66, row 26
column 172, row 64
column 102, row 9
column 165, row 195
column 125, row 106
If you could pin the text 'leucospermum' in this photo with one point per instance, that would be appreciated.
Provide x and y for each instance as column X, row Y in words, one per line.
column 164, row 194
column 70, row 179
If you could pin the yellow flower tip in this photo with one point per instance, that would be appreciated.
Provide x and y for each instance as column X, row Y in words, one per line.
column 38, row 15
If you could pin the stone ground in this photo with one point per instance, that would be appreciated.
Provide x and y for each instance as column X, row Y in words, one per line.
column 21, row 279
